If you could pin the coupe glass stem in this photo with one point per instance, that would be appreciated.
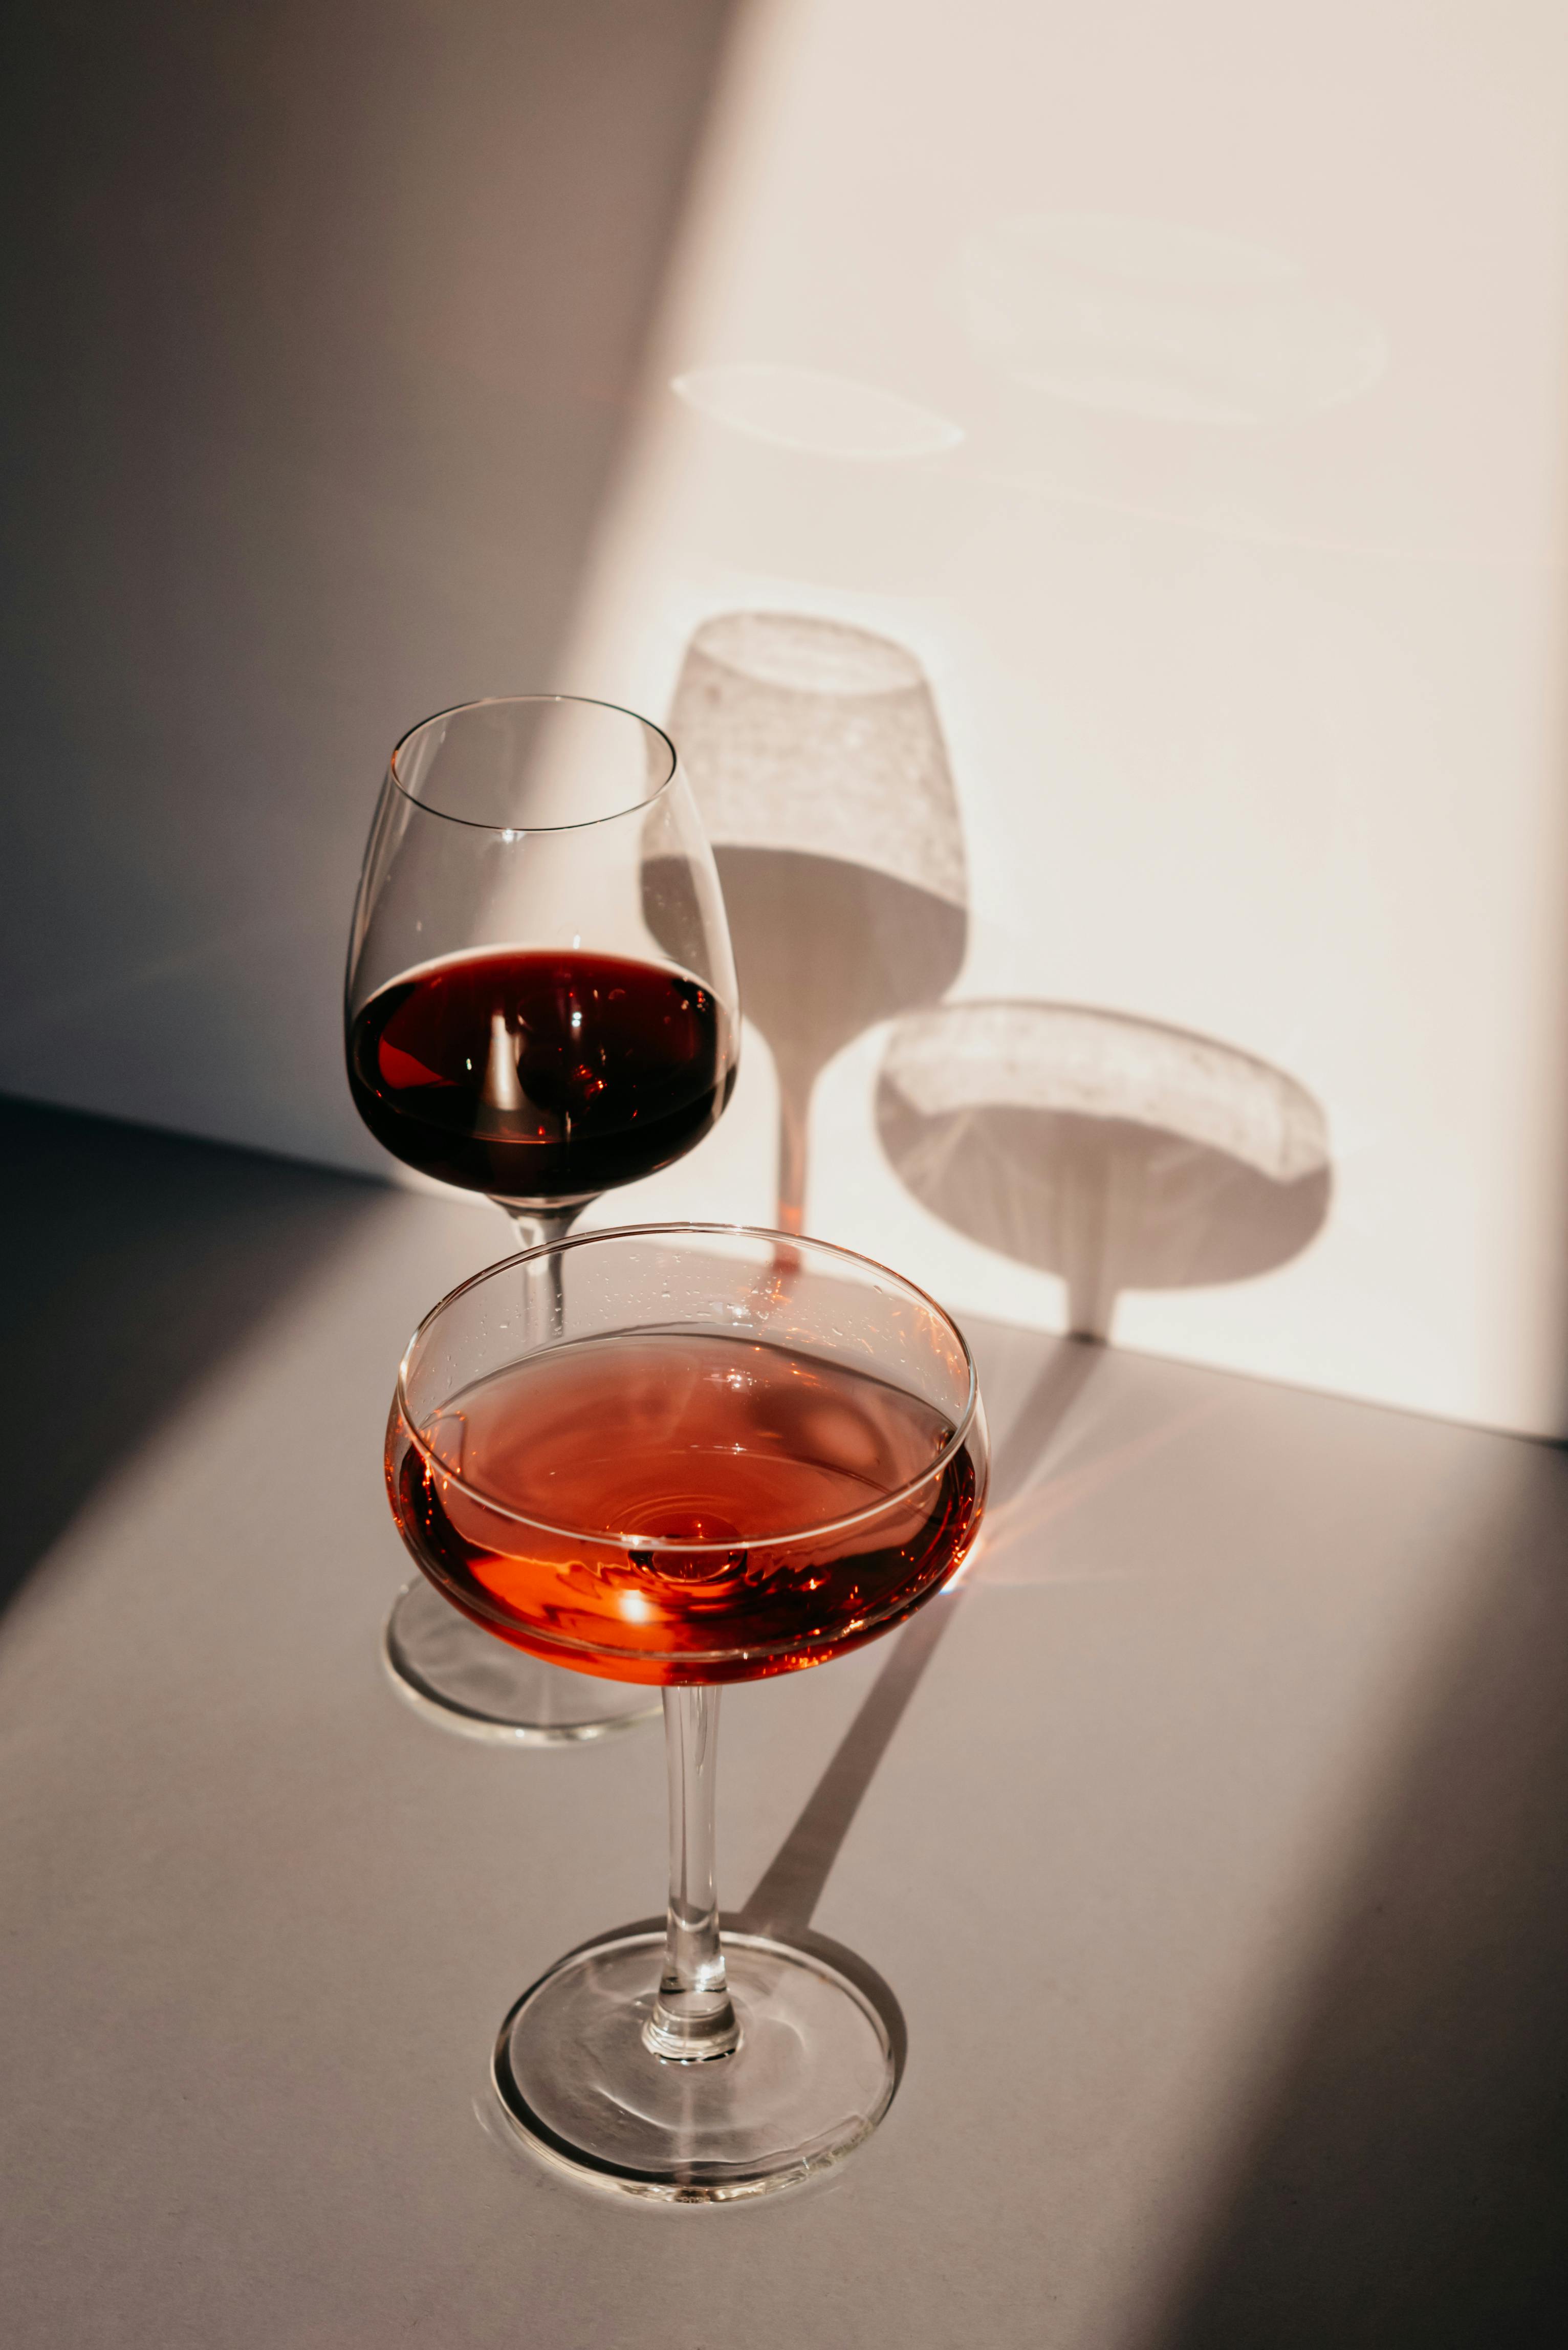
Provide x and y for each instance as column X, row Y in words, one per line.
column 692, row 2019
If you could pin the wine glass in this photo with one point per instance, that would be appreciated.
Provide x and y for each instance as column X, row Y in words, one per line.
column 734, row 1454
column 540, row 1004
column 817, row 762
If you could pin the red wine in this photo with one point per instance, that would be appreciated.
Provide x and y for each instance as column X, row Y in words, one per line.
column 667, row 1437
column 540, row 1075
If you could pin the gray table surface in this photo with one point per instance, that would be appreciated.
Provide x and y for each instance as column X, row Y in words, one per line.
column 1211, row 1841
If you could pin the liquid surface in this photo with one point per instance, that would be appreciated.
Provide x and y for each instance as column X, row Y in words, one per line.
column 673, row 1439
column 540, row 1077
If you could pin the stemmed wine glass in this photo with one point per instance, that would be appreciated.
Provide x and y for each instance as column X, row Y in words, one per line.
column 732, row 1453
column 540, row 1003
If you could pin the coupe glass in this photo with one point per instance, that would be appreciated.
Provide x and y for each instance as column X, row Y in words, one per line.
column 731, row 1454
column 540, row 1004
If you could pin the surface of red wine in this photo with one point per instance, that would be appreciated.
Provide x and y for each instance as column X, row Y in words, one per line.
column 667, row 1439
column 540, row 1077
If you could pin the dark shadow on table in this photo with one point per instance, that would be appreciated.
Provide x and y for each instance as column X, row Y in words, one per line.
column 136, row 1261
column 1406, row 2186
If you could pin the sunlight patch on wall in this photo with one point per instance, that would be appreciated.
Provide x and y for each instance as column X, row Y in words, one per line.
column 1149, row 318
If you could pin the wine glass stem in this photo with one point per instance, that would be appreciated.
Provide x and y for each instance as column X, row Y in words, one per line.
column 693, row 2020
column 537, row 1228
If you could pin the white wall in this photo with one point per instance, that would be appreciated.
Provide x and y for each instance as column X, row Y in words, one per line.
column 1217, row 479
column 1194, row 408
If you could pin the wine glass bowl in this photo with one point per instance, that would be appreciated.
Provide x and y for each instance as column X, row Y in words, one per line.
column 725, row 1455
column 774, row 1468
column 515, row 1023
column 540, row 1005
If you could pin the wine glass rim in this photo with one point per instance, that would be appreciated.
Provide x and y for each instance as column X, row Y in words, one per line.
column 513, row 701
column 661, row 1542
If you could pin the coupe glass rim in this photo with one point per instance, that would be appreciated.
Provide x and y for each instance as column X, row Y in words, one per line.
column 513, row 701
column 661, row 1542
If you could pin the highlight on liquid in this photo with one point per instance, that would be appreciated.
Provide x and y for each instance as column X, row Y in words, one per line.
column 670, row 1507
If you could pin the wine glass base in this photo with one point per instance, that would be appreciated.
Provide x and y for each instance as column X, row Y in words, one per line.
column 469, row 1681
column 812, row 2078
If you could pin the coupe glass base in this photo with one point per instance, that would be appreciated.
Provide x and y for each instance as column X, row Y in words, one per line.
column 812, row 2078
column 469, row 1681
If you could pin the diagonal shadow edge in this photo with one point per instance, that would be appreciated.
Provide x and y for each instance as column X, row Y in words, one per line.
column 1056, row 1388
column 115, row 1318
column 785, row 1898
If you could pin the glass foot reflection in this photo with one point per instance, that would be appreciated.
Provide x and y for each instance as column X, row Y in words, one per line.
column 811, row 2078
column 469, row 1681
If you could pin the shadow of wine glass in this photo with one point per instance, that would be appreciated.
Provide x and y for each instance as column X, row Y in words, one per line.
column 816, row 758
column 1117, row 1153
